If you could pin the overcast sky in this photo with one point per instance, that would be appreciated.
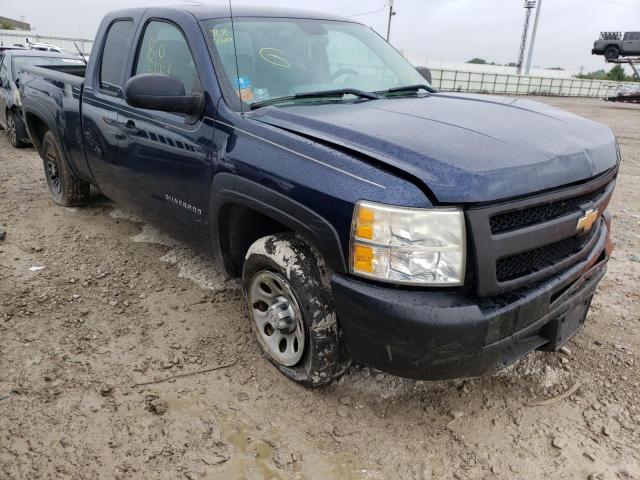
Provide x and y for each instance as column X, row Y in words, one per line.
column 443, row 30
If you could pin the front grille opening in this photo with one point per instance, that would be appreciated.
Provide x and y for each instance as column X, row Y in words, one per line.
column 531, row 261
column 559, row 293
column 506, row 222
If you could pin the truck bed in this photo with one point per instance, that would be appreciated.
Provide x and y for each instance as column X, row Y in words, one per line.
column 55, row 93
column 68, row 74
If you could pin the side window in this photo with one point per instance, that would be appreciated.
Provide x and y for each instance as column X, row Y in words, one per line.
column 116, row 49
column 165, row 50
column 4, row 71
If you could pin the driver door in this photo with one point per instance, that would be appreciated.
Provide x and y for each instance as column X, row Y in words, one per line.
column 166, row 155
column 631, row 46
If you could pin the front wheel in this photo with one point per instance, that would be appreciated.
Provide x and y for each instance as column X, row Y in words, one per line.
column 291, row 309
column 16, row 130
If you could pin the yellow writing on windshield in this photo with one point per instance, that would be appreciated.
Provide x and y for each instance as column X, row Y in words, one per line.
column 221, row 36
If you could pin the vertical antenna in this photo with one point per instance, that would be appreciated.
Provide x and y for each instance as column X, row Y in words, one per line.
column 392, row 12
column 235, row 52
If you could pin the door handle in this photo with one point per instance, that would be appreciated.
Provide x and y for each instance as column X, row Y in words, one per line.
column 130, row 128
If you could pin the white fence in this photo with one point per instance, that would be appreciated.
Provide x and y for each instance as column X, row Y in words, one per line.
column 483, row 67
column 481, row 82
column 13, row 37
column 444, row 77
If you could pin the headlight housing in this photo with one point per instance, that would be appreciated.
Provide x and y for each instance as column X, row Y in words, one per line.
column 417, row 246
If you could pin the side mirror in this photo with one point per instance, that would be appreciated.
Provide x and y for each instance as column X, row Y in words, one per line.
column 425, row 72
column 155, row 91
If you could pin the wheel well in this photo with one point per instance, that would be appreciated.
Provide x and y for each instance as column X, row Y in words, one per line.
column 37, row 129
column 238, row 228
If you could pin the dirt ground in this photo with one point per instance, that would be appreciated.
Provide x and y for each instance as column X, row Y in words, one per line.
column 117, row 303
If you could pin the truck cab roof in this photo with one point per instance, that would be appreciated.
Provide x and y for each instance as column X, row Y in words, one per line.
column 206, row 12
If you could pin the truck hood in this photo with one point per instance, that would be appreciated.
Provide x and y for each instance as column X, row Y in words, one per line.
column 463, row 148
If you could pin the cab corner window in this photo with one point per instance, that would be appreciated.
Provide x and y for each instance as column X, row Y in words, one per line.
column 164, row 49
column 116, row 50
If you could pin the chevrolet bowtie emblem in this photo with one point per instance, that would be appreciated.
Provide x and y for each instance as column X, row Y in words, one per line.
column 586, row 222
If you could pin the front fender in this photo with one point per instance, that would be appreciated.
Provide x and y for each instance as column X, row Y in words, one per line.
column 231, row 189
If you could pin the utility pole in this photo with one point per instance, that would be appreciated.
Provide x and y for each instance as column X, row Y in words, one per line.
column 391, row 14
column 533, row 38
column 528, row 5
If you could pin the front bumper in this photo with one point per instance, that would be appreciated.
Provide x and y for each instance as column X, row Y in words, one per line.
column 437, row 335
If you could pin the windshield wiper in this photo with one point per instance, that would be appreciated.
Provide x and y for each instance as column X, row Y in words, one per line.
column 409, row 89
column 319, row 94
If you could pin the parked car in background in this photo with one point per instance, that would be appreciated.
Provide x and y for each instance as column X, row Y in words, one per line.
column 626, row 95
column 11, row 63
column 45, row 47
column 429, row 235
column 613, row 45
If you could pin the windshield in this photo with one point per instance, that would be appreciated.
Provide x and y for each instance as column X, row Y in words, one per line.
column 18, row 63
column 280, row 57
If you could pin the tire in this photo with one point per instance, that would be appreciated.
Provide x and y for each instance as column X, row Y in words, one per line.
column 66, row 189
column 611, row 53
column 16, row 130
column 283, row 270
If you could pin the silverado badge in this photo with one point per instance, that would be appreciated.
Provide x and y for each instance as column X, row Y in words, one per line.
column 587, row 220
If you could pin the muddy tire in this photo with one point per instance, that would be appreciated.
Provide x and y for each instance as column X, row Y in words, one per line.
column 611, row 53
column 291, row 309
column 16, row 130
column 66, row 189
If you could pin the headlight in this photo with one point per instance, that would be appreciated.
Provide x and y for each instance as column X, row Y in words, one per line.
column 16, row 98
column 408, row 245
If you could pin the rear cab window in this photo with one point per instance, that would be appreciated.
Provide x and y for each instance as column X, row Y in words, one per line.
column 116, row 50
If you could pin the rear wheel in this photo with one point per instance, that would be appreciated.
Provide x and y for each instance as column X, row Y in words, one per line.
column 16, row 130
column 66, row 189
column 291, row 309
column 611, row 53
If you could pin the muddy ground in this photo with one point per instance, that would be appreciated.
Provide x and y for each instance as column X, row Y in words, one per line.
column 117, row 304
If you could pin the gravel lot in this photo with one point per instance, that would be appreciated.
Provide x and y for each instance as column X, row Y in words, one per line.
column 118, row 303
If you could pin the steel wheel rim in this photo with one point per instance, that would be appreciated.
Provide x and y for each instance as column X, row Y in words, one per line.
column 11, row 129
column 269, row 293
column 53, row 173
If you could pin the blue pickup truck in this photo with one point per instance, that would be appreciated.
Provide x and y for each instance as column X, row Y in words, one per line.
column 371, row 218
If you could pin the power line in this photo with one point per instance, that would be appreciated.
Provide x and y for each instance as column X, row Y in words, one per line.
column 369, row 13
